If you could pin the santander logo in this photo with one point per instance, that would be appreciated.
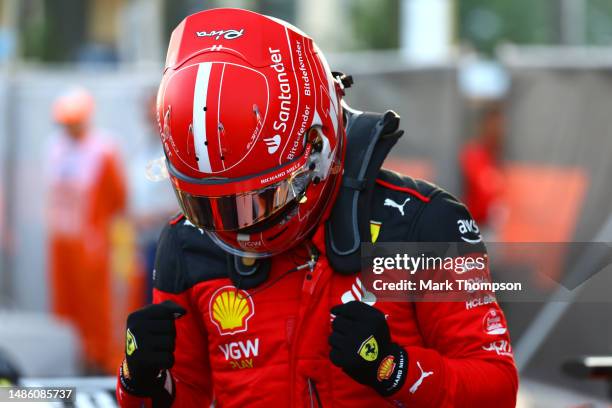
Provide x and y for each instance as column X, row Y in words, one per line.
column 272, row 143
column 285, row 98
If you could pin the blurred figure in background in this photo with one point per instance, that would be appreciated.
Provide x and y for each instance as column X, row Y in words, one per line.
column 86, row 191
column 480, row 166
column 151, row 203
column 9, row 374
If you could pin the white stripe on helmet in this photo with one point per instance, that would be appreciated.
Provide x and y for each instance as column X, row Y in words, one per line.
column 199, row 116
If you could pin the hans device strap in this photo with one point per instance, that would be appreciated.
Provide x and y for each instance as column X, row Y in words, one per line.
column 370, row 137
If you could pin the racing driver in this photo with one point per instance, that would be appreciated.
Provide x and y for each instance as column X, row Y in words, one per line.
column 258, row 299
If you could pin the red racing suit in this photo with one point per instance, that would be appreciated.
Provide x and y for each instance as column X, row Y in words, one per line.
column 269, row 347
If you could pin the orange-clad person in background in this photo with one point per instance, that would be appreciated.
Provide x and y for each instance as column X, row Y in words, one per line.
column 480, row 165
column 86, row 191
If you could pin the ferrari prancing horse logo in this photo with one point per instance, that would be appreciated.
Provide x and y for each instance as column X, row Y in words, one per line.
column 130, row 343
column 369, row 349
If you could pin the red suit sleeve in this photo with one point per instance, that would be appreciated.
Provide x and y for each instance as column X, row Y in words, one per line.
column 461, row 365
column 467, row 356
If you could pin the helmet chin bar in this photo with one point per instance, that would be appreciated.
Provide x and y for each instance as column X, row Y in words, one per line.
column 235, row 251
column 320, row 163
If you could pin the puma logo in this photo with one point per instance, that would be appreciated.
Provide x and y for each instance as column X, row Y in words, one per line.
column 360, row 293
column 417, row 383
column 390, row 203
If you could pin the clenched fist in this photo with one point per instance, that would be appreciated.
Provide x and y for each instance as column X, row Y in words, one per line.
column 361, row 345
column 149, row 347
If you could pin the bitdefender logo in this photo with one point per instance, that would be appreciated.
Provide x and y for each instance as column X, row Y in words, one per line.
column 273, row 143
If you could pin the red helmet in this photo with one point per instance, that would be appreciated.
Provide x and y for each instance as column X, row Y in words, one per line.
column 252, row 128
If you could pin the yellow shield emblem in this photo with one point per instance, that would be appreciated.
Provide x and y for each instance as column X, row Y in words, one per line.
column 369, row 349
column 375, row 230
column 130, row 343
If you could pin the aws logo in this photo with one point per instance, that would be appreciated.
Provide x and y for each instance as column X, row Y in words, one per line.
column 469, row 227
column 230, row 310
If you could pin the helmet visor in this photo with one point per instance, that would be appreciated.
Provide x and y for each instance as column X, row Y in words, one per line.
column 238, row 211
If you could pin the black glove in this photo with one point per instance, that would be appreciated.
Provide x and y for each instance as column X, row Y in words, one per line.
column 149, row 347
column 361, row 345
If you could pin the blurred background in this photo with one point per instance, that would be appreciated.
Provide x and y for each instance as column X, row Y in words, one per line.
column 505, row 103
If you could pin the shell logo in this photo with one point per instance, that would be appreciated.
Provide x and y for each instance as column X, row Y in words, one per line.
column 231, row 309
column 385, row 369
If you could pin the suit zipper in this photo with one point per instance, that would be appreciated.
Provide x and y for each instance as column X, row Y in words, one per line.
column 312, row 391
column 311, row 265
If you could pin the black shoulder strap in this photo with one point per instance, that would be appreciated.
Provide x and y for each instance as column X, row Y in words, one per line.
column 370, row 137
